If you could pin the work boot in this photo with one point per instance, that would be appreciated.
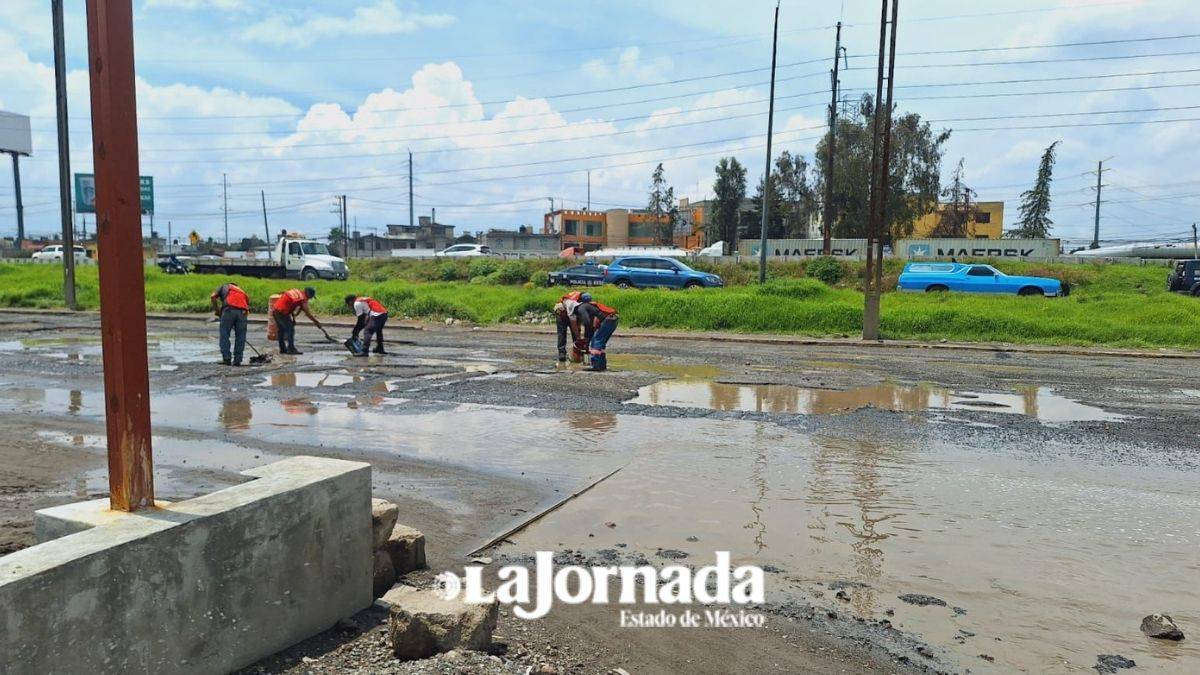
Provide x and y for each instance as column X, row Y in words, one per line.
column 225, row 361
column 237, row 363
column 379, row 350
column 294, row 352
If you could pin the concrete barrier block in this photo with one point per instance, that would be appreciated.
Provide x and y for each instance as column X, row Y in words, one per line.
column 205, row 585
column 406, row 546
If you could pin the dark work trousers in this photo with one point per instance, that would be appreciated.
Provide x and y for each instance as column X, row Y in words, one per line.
column 564, row 327
column 374, row 327
column 233, row 320
column 600, row 342
column 286, row 333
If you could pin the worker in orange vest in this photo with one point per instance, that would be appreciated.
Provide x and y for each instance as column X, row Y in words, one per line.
column 599, row 321
column 372, row 316
column 562, row 316
column 290, row 303
column 232, row 306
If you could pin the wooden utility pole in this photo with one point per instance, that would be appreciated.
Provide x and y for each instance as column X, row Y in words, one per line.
column 834, row 85
column 119, row 239
column 766, row 201
column 880, row 162
column 266, row 227
column 1099, row 185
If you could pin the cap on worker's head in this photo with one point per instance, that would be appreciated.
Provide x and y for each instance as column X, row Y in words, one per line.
column 350, row 299
column 585, row 297
column 310, row 292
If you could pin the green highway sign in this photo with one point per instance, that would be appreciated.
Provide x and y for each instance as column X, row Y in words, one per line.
column 85, row 193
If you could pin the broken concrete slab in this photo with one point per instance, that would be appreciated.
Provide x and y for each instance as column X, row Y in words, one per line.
column 406, row 546
column 423, row 623
column 383, row 519
column 204, row 585
column 384, row 574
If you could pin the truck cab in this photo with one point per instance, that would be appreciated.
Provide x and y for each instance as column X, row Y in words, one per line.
column 1185, row 277
column 307, row 259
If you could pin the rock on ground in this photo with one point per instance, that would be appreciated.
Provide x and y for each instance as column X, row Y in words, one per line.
column 406, row 546
column 1111, row 663
column 423, row 623
column 383, row 519
column 1161, row 627
column 921, row 600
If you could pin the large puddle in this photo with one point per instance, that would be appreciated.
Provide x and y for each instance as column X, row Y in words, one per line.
column 1038, row 402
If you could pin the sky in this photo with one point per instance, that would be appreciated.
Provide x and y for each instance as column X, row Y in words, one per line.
column 506, row 104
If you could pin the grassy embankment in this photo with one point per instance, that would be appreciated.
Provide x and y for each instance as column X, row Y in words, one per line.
column 1118, row 305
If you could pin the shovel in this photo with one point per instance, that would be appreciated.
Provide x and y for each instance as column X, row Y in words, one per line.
column 258, row 358
column 328, row 336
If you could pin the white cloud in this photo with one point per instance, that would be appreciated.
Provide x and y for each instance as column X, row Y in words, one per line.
column 226, row 5
column 629, row 66
column 382, row 18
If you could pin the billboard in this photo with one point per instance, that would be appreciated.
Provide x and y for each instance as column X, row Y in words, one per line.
column 15, row 135
column 85, row 193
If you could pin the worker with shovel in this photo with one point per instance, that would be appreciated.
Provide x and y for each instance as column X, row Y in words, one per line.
column 372, row 316
column 562, row 317
column 290, row 303
column 599, row 321
column 232, row 306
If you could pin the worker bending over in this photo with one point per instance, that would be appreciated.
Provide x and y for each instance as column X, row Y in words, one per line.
column 599, row 322
column 562, row 317
column 232, row 306
column 290, row 303
column 372, row 316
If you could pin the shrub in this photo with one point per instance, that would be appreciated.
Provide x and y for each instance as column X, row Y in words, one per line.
column 513, row 272
column 481, row 267
column 798, row 289
column 539, row 278
column 827, row 269
column 448, row 272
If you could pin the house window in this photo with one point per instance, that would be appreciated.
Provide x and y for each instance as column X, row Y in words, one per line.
column 571, row 227
column 593, row 228
column 983, row 217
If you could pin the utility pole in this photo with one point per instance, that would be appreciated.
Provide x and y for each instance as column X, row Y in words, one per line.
column 225, row 200
column 1195, row 246
column 1099, row 185
column 64, row 156
column 834, row 86
column 345, row 233
column 266, row 228
column 20, row 206
column 170, row 241
column 766, row 202
column 410, row 192
column 589, row 202
column 880, row 161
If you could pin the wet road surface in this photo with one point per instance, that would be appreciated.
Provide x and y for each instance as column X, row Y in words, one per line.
column 1049, row 501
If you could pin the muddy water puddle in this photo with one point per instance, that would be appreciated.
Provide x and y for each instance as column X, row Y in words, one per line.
column 1038, row 402
column 1053, row 562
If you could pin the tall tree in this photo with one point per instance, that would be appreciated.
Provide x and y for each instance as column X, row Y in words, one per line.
column 337, row 241
column 662, row 208
column 1035, row 220
column 775, row 228
column 729, row 190
column 799, row 201
column 914, row 171
column 958, row 210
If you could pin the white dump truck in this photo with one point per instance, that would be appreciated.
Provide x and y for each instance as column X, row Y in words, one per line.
column 293, row 257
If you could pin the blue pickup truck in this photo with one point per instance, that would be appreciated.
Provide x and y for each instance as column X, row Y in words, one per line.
column 936, row 277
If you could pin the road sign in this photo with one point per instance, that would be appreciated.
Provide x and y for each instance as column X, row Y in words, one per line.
column 85, row 193
column 15, row 134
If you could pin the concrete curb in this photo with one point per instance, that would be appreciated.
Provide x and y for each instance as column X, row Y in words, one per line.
column 736, row 338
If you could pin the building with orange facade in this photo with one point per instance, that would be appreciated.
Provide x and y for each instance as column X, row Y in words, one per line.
column 593, row 230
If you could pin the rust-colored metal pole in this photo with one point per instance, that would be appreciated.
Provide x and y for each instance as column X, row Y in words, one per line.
column 119, row 240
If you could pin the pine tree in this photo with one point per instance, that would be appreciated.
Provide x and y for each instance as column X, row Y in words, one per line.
column 729, row 190
column 1035, row 220
column 662, row 208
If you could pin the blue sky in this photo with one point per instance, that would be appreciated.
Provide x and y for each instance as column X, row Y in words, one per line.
column 505, row 104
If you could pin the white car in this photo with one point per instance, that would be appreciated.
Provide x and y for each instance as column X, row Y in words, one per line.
column 55, row 252
column 464, row 250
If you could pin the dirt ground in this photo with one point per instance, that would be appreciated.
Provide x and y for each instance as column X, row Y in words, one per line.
column 1029, row 495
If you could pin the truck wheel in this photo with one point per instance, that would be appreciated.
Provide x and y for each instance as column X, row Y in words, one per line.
column 1031, row 290
column 308, row 274
column 936, row 288
column 1196, row 290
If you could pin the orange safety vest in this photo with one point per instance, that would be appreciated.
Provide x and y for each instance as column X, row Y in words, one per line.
column 290, row 300
column 608, row 311
column 573, row 296
column 235, row 297
column 372, row 304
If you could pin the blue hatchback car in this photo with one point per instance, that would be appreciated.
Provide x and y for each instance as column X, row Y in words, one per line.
column 657, row 271
column 934, row 277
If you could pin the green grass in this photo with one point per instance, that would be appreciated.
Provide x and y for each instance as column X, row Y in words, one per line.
column 1118, row 305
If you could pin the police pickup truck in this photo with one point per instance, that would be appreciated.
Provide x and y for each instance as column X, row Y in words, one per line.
column 293, row 257
column 1185, row 277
